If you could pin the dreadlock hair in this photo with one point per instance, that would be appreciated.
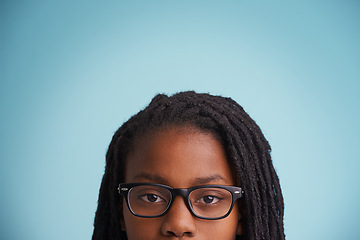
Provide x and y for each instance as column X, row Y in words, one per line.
column 247, row 150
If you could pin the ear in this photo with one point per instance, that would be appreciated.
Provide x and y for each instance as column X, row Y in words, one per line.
column 122, row 222
column 241, row 220
column 240, row 229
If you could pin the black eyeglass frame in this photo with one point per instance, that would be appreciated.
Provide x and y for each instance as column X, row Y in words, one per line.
column 236, row 193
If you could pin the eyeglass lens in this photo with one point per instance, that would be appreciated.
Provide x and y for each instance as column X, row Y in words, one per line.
column 150, row 201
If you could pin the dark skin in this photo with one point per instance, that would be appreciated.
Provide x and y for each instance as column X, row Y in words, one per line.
column 181, row 158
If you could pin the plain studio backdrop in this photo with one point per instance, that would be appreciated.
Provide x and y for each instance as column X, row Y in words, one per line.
column 73, row 71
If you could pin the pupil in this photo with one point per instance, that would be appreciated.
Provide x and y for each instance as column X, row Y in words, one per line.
column 208, row 199
column 152, row 197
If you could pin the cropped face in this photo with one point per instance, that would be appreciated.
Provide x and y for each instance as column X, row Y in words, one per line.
column 179, row 158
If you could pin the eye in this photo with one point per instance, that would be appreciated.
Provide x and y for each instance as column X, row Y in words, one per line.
column 151, row 198
column 209, row 199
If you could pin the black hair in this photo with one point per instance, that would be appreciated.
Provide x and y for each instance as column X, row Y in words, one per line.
column 245, row 145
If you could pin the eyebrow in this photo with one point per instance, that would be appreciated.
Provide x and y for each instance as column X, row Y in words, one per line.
column 197, row 181
column 209, row 179
column 150, row 177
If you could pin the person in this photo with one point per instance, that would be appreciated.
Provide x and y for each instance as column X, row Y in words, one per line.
column 189, row 166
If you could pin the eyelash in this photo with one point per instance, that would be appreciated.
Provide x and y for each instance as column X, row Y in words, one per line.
column 214, row 198
column 142, row 197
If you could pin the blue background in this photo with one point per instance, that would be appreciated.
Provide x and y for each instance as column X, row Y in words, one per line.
column 73, row 71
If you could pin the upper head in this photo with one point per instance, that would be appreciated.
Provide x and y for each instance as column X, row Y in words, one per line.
column 210, row 138
column 180, row 158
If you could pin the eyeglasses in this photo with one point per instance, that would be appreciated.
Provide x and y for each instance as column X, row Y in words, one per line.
column 150, row 200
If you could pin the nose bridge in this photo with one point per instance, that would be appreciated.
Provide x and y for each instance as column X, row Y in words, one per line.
column 182, row 192
column 179, row 220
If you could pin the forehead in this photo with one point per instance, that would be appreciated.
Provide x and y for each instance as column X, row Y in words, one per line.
column 179, row 157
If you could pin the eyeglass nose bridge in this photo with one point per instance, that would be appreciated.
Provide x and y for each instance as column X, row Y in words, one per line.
column 183, row 192
column 180, row 192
